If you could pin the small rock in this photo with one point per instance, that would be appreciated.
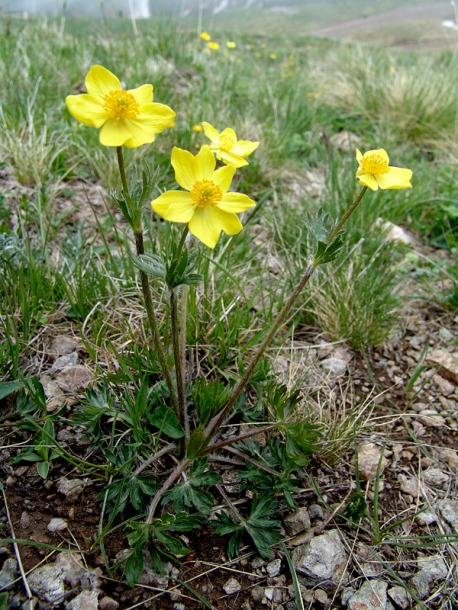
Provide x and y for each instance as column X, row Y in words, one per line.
column 400, row 597
column 450, row 456
column 298, row 521
column 447, row 363
column 74, row 378
column 427, row 517
column 393, row 232
column 8, row 574
column 258, row 562
column 445, row 335
column 435, row 476
column 321, row 597
column 231, row 586
column 107, row 603
column 57, row 525
column 371, row 596
column 409, row 485
column 26, row 519
column 316, row 511
column 63, row 361
column 63, row 345
column 48, row 583
column 86, row 600
column 72, row 567
column 369, row 455
column 445, row 386
column 431, row 419
column 432, row 569
column 269, row 593
column 179, row 606
column 346, row 141
column 347, row 594
column 449, row 511
column 273, row 568
column 324, row 558
column 70, row 488
column 367, row 561
column 336, row 366
column 257, row 593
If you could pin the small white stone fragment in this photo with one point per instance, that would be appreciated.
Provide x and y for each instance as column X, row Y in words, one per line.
column 273, row 568
column 231, row 586
column 57, row 525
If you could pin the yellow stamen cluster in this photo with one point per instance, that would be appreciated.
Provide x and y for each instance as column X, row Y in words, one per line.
column 374, row 164
column 226, row 141
column 205, row 193
column 121, row 105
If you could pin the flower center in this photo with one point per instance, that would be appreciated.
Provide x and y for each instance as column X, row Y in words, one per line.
column 374, row 163
column 205, row 193
column 226, row 141
column 121, row 105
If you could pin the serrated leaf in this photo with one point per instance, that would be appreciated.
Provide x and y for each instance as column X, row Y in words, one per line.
column 326, row 253
column 151, row 264
column 134, row 565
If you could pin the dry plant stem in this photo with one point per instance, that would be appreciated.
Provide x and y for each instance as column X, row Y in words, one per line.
column 174, row 475
column 140, row 247
column 219, row 419
column 236, row 439
column 18, row 556
column 164, row 451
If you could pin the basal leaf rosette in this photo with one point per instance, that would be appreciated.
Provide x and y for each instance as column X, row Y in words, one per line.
column 126, row 118
column 375, row 172
column 226, row 146
column 206, row 205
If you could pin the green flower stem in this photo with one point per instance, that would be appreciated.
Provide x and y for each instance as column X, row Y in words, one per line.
column 215, row 424
column 236, row 439
column 140, row 247
column 346, row 216
column 175, row 326
column 174, row 475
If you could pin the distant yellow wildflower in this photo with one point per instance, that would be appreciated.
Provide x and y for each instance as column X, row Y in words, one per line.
column 213, row 46
column 273, row 56
column 375, row 172
column 127, row 118
column 207, row 206
column 226, row 146
column 230, row 44
column 197, row 128
column 205, row 36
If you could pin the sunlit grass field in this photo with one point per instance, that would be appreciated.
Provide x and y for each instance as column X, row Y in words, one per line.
column 66, row 255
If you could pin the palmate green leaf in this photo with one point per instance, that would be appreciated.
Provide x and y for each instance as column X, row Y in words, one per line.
column 165, row 419
column 301, row 441
column 181, row 270
column 151, row 264
column 261, row 526
column 134, row 565
column 326, row 253
column 190, row 494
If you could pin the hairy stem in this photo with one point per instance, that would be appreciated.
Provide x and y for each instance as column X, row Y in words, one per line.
column 174, row 475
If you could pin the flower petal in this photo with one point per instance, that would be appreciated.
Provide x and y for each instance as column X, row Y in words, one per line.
column 244, row 148
column 183, row 162
column 230, row 159
column 114, row 133
column 229, row 223
column 395, row 178
column 204, row 164
column 367, row 180
column 101, row 81
column 205, row 225
column 87, row 109
column 359, row 156
column 143, row 94
column 223, row 177
column 175, row 206
column 155, row 116
column 211, row 133
column 235, row 203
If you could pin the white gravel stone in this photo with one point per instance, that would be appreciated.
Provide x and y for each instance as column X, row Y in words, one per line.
column 231, row 586
column 298, row 521
column 57, row 525
column 86, row 600
column 324, row 558
column 435, row 476
column 400, row 597
column 273, row 568
column 449, row 511
column 371, row 596
column 369, row 455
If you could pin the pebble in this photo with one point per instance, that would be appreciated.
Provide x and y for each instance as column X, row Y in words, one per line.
column 86, row 600
column 273, row 568
column 450, row 456
column 107, row 603
column 432, row 569
column 435, row 476
column 427, row 517
column 57, row 525
column 400, row 597
column 70, row 488
column 298, row 521
column 336, row 366
column 409, row 485
column 371, row 596
column 369, row 455
column 449, row 511
column 324, row 558
column 231, row 586
column 8, row 574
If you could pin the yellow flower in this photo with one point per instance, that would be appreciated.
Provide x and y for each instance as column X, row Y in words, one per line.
column 273, row 56
column 226, row 146
column 197, row 128
column 374, row 171
column 230, row 44
column 207, row 207
column 213, row 46
column 127, row 118
column 205, row 36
